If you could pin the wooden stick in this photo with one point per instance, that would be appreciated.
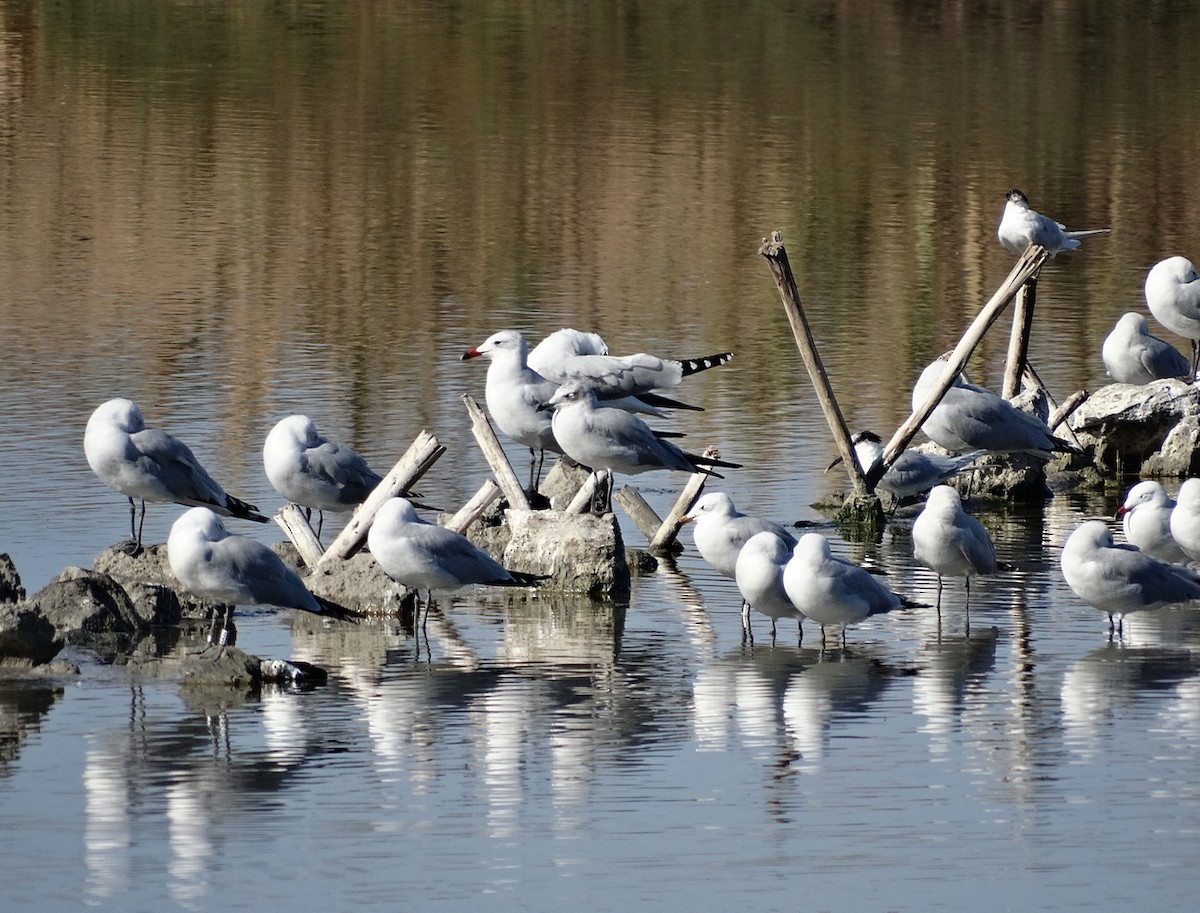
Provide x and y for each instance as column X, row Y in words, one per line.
column 664, row 539
column 295, row 525
column 469, row 512
column 1027, row 265
column 1018, row 341
column 1031, row 375
column 641, row 513
column 583, row 497
column 772, row 249
column 1063, row 412
column 421, row 454
column 494, row 454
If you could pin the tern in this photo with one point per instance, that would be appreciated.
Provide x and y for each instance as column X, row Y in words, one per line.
column 1021, row 226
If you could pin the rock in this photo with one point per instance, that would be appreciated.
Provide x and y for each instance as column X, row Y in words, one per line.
column 27, row 634
column 81, row 603
column 10, row 581
column 155, row 592
column 580, row 553
column 563, row 482
column 359, row 583
column 1150, row 429
column 225, row 667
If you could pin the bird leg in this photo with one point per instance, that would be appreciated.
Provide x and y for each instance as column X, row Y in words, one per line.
column 967, row 609
column 799, row 631
column 1195, row 360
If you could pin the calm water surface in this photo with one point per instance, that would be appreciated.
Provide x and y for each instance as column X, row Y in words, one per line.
column 233, row 212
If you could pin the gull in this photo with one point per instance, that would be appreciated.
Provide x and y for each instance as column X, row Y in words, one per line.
column 721, row 530
column 1146, row 519
column 1120, row 579
column 1173, row 296
column 313, row 471
column 425, row 556
column 972, row 418
column 1185, row 518
column 830, row 590
column 1021, row 226
column 604, row 438
column 214, row 564
column 569, row 354
column 514, row 393
column 913, row 472
column 147, row 464
column 950, row 542
column 1132, row 356
column 759, row 575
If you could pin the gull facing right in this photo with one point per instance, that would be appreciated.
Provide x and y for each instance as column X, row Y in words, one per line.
column 1021, row 226
column 1173, row 296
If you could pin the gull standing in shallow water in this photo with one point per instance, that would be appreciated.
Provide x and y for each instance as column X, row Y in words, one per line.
column 1132, row 356
column 913, row 472
column 952, row 543
column 1120, row 579
column 425, row 556
column 1021, row 226
column 831, row 590
column 150, row 465
column 601, row 437
column 759, row 576
column 972, row 418
column 1173, row 296
column 313, row 471
column 1146, row 519
column 214, row 564
column 1185, row 518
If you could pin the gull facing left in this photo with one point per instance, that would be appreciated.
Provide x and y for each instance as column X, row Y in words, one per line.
column 1132, row 356
column 759, row 576
column 1145, row 517
column 1021, row 226
column 950, row 542
column 150, row 465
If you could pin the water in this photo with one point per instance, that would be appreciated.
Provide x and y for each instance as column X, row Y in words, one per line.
column 231, row 213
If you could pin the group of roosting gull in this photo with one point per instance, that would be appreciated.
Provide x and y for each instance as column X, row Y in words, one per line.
column 569, row 396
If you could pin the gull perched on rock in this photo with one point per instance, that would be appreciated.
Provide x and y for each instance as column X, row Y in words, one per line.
column 831, row 590
column 425, row 556
column 214, row 564
column 1120, row 579
column 1173, row 296
column 1132, row 356
column 601, row 437
column 1145, row 517
column 1021, row 226
column 147, row 464
column 759, row 576
column 313, row 471
column 1185, row 518
column 913, row 472
column 950, row 542
column 973, row 418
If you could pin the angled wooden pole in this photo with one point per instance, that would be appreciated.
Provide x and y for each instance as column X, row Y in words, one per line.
column 295, row 525
column 1027, row 265
column 641, row 513
column 664, row 539
column 1018, row 340
column 469, row 512
column 494, row 454
column 776, row 256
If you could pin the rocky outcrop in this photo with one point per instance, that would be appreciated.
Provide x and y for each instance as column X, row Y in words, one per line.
column 1150, row 430
column 10, row 581
column 578, row 553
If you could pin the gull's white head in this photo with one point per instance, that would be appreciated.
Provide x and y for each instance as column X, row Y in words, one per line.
column 712, row 505
column 200, row 522
column 511, row 341
column 571, row 393
column 120, row 413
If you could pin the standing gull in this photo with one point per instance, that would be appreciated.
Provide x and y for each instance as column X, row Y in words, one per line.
column 913, row 472
column 1132, row 356
column 1185, row 518
column 313, row 471
column 1021, row 226
column 951, row 543
column 1145, row 517
column 600, row 437
column 972, row 418
column 833, row 591
column 214, row 564
column 1119, row 579
column 424, row 556
column 147, row 464
column 1173, row 296
column 759, row 576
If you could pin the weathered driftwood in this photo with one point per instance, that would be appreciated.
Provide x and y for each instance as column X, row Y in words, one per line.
column 641, row 513
column 469, row 512
column 296, row 527
column 1018, row 340
column 1027, row 266
column 1069, row 405
column 583, row 498
column 776, row 256
column 421, row 454
column 664, row 539
column 494, row 454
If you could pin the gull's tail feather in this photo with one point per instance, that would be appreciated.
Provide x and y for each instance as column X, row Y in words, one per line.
column 693, row 365
column 333, row 610
column 665, row 402
column 243, row 510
